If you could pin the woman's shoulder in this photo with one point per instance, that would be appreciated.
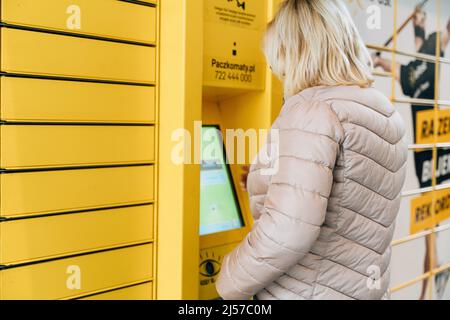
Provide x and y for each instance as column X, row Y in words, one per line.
column 325, row 109
column 333, row 110
column 307, row 113
column 347, row 95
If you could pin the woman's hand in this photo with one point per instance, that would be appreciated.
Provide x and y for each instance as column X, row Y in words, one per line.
column 244, row 176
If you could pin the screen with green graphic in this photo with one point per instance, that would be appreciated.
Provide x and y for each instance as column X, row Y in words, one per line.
column 219, row 208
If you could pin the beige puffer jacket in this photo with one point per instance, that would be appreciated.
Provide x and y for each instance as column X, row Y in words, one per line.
column 325, row 219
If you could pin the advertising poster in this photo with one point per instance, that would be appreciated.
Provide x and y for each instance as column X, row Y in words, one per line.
column 404, row 49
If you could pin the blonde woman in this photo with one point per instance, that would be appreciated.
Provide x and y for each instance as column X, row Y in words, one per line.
column 324, row 217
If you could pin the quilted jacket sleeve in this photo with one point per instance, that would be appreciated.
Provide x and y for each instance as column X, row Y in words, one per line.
column 309, row 136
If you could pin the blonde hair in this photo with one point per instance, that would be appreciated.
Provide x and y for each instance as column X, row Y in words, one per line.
column 315, row 43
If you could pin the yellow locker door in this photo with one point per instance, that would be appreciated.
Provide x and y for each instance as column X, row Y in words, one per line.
column 40, row 146
column 83, row 102
column 104, row 18
column 27, row 240
column 66, row 56
column 78, row 276
column 35, row 193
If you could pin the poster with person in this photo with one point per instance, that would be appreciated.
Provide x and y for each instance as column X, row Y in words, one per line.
column 418, row 83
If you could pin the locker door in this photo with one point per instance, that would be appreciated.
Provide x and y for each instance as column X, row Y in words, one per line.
column 103, row 18
column 34, row 193
column 43, row 238
column 83, row 102
column 64, row 56
column 78, row 276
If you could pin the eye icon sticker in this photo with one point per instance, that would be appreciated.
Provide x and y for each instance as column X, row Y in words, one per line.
column 210, row 268
column 210, row 264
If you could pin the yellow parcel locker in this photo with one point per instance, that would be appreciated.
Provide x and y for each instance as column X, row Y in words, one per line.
column 104, row 18
column 138, row 292
column 78, row 276
column 34, row 193
column 83, row 102
column 27, row 240
column 66, row 56
column 35, row 146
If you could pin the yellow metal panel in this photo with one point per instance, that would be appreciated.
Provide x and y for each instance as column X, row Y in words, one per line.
column 59, row 279
column 180, row 105
column 33, row 146
column 106, row 18
column 55, row 55
column 139, row 292
column 32, row 193
column 83, row 102
column 48, row 237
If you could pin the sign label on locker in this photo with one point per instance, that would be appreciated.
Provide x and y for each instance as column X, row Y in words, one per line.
column 233, row 58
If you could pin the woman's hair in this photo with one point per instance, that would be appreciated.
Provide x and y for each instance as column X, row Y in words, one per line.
column 315, row 43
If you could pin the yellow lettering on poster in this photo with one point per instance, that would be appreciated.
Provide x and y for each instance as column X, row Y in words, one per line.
column 426, row 127
column 422, row 210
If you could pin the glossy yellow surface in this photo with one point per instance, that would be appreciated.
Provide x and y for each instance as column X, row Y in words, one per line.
column 83, row 102
column 138, row 292
column 32, row 193
column 105, row 18
column 59, row 279
column 37, row 146
column 56, row 55
column 178, row 186
column 53, row 236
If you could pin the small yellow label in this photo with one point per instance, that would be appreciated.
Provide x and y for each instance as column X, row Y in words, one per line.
column 426, row 127
column 422, row 210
